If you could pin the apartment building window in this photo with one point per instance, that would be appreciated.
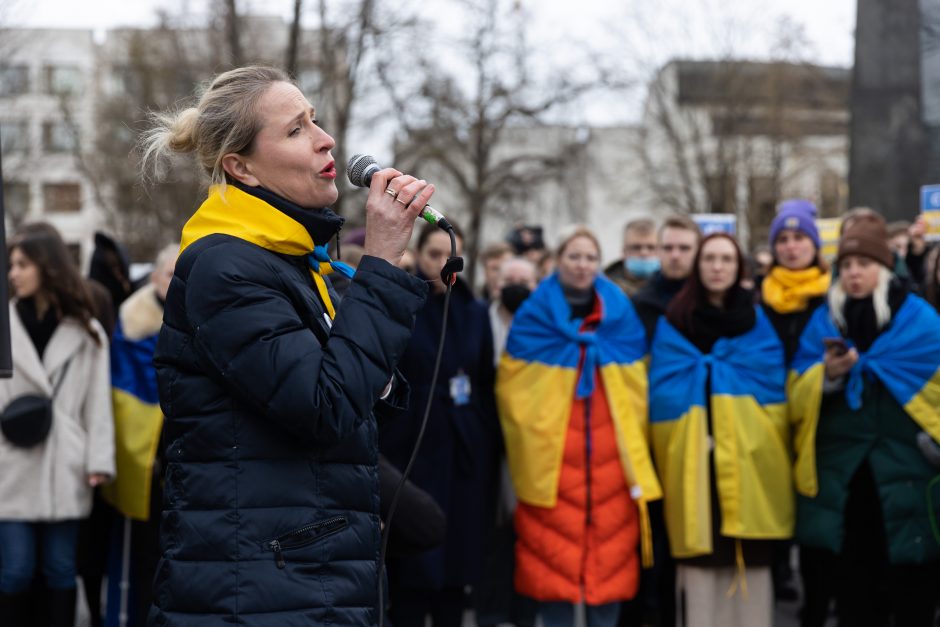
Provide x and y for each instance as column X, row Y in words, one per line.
column 14, row 136
column 125, row 81
column 63, row 79
column 62, row 197
column 16, row 199
column 14, row 80
column 59, row 137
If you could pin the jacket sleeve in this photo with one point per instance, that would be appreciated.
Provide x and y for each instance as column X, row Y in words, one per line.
column 250, row 337
column 97, row 414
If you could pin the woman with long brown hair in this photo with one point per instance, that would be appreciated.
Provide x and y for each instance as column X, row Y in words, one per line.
column 719, row 426
column 59, row 352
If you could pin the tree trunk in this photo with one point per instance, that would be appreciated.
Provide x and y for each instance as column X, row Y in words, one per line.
column 293, row 43
column 233, row 33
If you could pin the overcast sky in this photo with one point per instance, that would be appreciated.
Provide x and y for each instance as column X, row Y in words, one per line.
column 829, row 24
column 644, row 33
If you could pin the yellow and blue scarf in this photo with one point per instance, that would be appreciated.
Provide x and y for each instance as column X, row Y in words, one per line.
column 249, row 218
column 746, row 377
column 905, row 358
column 538, row 380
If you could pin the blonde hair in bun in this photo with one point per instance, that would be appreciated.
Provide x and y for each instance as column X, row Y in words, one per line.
column 224, row 121
column 182, row 130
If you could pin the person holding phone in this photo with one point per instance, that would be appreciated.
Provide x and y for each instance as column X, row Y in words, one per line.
column 862, row 395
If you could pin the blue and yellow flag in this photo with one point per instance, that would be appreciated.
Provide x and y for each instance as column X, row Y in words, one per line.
column 239, row 214
column 905, row 358
column 539, row 378
column 138, row 422
column 744, row 378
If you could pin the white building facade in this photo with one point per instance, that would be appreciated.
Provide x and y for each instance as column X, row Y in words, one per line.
column 48, row 87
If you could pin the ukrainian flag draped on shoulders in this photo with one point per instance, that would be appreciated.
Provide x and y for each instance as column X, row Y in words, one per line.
column 539, row 377
column 741, row 386
column 905, row 357
column 138, row 420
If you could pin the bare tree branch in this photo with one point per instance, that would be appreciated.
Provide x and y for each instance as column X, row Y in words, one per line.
column 459, row 119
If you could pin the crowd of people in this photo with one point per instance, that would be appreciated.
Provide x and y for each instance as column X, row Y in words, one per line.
column 680, row 429
column 656, row 442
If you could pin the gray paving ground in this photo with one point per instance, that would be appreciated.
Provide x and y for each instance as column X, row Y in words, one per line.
column 784, row 616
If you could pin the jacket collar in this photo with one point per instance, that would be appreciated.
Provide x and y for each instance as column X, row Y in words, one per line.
column 258, row 216
column 66, row 341
column 284, row 229
column 321, row 224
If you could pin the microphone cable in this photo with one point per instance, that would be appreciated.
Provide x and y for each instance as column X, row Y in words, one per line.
column 448, row 276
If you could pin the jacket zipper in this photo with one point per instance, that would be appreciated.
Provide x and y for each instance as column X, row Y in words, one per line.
column 587, row 455
column 326, row 527
column 278, row 556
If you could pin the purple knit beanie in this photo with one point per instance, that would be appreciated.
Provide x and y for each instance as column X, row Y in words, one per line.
column 796, row 214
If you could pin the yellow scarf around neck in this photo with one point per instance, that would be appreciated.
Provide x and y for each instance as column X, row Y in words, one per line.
column 249, row 218
column 789, row 291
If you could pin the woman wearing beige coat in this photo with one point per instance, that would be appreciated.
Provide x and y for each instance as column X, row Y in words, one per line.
column 46, row 489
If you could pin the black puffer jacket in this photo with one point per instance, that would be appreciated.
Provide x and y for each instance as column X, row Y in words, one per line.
column 271, row 513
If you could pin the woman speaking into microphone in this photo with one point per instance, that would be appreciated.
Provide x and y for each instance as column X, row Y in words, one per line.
column 271, row 506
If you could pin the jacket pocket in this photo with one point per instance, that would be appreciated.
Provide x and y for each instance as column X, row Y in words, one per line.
column 304, row 536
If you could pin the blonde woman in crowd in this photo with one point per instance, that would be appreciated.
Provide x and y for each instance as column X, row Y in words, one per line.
column 866, row 401
column 571, row 390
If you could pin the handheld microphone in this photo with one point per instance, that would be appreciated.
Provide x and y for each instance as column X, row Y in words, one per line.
column 360, row 169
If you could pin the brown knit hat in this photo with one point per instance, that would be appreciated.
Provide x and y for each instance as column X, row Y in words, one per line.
column 866, row 235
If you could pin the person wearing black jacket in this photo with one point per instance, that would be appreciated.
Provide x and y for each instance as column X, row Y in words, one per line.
column 271, row 510
column 799, row 278
column 458, row 459
column 678, row 242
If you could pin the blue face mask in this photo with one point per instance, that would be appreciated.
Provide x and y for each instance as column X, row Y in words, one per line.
column 642, row 267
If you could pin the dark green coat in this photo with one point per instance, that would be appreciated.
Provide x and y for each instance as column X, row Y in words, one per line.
column 882, row 434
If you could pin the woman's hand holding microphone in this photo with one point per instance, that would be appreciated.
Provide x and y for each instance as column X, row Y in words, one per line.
column 395, row 201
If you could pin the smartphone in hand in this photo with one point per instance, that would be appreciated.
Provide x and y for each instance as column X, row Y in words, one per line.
column 836, row 344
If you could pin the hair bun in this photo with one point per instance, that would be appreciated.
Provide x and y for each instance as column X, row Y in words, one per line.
column 183, row 131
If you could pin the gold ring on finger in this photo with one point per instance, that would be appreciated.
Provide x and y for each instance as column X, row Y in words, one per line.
column 391, row 192
column 398, row 199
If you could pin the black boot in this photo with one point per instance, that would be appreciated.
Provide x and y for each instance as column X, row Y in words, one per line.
column 62, row 607
column 13, row 609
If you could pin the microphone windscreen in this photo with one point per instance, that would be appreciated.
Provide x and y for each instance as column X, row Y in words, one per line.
column 358, row 169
